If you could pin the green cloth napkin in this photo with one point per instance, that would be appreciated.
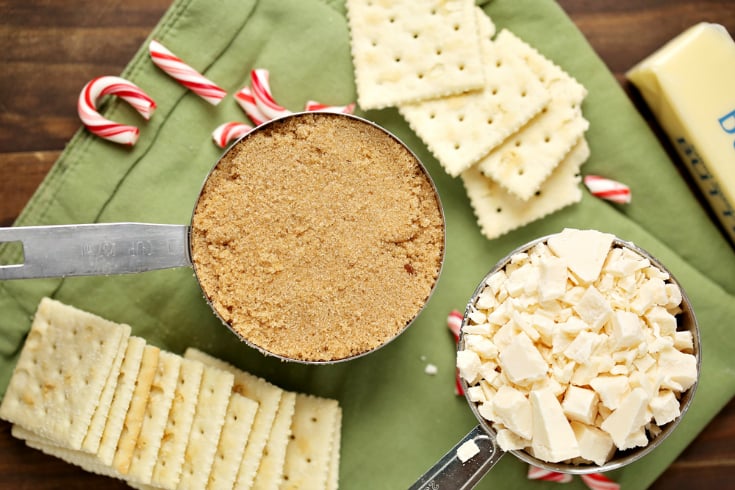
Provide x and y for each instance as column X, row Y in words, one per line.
column 397, row 419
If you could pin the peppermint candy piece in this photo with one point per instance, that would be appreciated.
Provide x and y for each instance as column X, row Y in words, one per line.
column 103, row 127
column 610, row 190
column 185, row 74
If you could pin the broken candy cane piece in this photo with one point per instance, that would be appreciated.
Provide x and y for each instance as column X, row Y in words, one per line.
column 317, row 106
column 608, row 189
column 246, row 100
column 598, row 481
column 225, row 133
column 185, row 74
column 103, row 127
column 454, row 322
column 536, row 473
column 262, row 93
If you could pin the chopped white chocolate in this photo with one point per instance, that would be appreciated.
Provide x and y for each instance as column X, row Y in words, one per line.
column 665, row 407
column 627, row 418
column 580, row 404
column 513, row 410
column 584, row 251
column 594, row 444
column 573, row 350
column 466, row 451
column 521, row 361
column 553, row 438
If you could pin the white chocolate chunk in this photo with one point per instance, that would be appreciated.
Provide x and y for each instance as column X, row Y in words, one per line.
column 679, row 369
column 513, row 410
column 627, row 418
column 627, row 329
column 611, row 389
column 594, row 444
column 510, row 441
column 468, row 363
column 521, row 361
column 581, row 348
column 466, row 451
column 552, row 278
column 665, row 407
column 580, row 404
column 553, row 437
column 593, row 308
column 583, row 250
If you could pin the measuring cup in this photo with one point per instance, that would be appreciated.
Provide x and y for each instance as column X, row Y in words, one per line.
column 123, row 248
column 450, row 472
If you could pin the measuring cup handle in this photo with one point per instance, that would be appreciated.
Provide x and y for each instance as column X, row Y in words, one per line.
column 450, row 472
column 95, row 249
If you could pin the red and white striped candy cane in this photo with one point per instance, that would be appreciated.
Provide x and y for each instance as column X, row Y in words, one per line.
column 245, row 99
column 598, row 481
column 454, row 322
column 536, row 473
column 225, row 133
column 263, row 95
column 103, row 127
column 185, row 74
column 608, row 189
column 318, row 106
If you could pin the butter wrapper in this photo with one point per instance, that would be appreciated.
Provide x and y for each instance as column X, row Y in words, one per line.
column 689, row 85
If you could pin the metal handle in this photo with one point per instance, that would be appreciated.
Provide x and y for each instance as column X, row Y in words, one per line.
column 95, row 249
column 451, row 472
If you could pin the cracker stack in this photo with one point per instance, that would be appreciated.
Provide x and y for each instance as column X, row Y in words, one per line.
column 86, row 391
column 516, row 140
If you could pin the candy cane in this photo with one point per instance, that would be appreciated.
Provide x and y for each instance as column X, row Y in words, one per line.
column 263, row 96
column 607, row 189
column 102, row 127
column 318, row 106
column 536, row 473
column 245, row 99
column 228, row 132
column 598, row 481
column 185, row 74
column 454, row 322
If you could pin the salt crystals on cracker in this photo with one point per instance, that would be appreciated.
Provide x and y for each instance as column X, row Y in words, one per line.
column 405, row 50
column 579, row 373
column 172, row 422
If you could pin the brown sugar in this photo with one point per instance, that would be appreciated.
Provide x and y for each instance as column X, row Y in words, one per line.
column 318, row 237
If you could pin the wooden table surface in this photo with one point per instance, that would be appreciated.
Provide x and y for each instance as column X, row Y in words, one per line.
column 50, row 49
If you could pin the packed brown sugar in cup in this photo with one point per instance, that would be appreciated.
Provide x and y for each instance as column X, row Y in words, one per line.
column 318, row 238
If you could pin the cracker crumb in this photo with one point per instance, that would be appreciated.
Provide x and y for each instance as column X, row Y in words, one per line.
column 318, row 238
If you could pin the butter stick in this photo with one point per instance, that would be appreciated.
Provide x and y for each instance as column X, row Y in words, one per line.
column 688, row 84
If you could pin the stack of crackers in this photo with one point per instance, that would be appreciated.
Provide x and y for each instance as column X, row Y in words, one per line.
column 492, row 109
column 87, row 391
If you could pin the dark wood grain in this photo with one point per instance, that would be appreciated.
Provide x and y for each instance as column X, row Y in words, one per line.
column 49, row 49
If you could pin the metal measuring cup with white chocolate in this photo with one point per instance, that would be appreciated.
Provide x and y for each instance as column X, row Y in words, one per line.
column 573, row 350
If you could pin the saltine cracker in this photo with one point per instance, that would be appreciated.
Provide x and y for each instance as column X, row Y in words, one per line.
column 61, row 373
column 231, row 447
column 405, row 50
column 459, row 130
column 268, row 397
column 309, row 453
column 270, row 471
column 214, row 397
column 498, row 212
column 526, row 158
column 167, row 471
column 158, row 407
